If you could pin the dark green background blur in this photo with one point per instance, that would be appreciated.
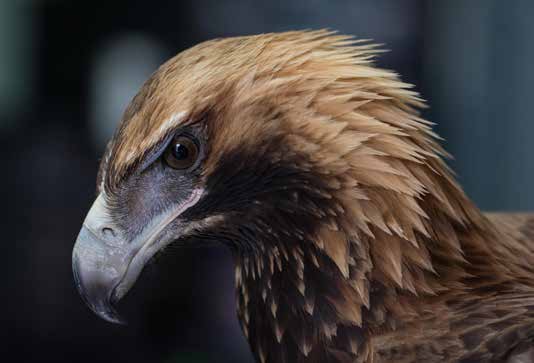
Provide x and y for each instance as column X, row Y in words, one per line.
column 67, row 70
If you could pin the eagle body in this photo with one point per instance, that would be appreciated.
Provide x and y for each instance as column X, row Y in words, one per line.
column 351, row 238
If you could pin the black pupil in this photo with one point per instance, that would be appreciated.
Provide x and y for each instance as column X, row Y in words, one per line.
column 180, row 152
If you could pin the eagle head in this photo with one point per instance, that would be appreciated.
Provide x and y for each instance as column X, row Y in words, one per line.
column 294, row 150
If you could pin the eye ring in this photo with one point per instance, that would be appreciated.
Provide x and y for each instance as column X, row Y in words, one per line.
column 182, row 152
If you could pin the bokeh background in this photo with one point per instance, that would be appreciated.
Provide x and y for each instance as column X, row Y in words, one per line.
column 68, row 69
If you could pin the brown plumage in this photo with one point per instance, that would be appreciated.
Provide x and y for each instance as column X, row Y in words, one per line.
column 352, row 240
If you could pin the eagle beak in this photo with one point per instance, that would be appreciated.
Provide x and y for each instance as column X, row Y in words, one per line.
column 99, row 261
column 95, row 282
column 106, row 264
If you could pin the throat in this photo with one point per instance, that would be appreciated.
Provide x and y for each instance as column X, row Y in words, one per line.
column 294, row 302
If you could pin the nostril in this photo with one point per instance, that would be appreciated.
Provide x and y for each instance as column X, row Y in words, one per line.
column 107, row 232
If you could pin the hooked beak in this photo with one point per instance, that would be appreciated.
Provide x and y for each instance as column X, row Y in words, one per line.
column 99, row 260
column 106, row 265
column 96, row 281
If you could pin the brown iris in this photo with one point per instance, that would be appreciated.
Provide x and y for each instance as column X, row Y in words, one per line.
column 181, row 153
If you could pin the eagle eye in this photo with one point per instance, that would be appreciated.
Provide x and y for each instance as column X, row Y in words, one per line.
column 181, row 153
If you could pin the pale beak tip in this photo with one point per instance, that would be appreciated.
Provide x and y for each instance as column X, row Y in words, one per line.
column 111, row 316
column 96, row 288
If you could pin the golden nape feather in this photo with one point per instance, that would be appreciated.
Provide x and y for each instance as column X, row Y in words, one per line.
column 352, row 240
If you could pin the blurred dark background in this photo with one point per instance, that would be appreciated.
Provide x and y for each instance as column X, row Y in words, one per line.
column 68, row 69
